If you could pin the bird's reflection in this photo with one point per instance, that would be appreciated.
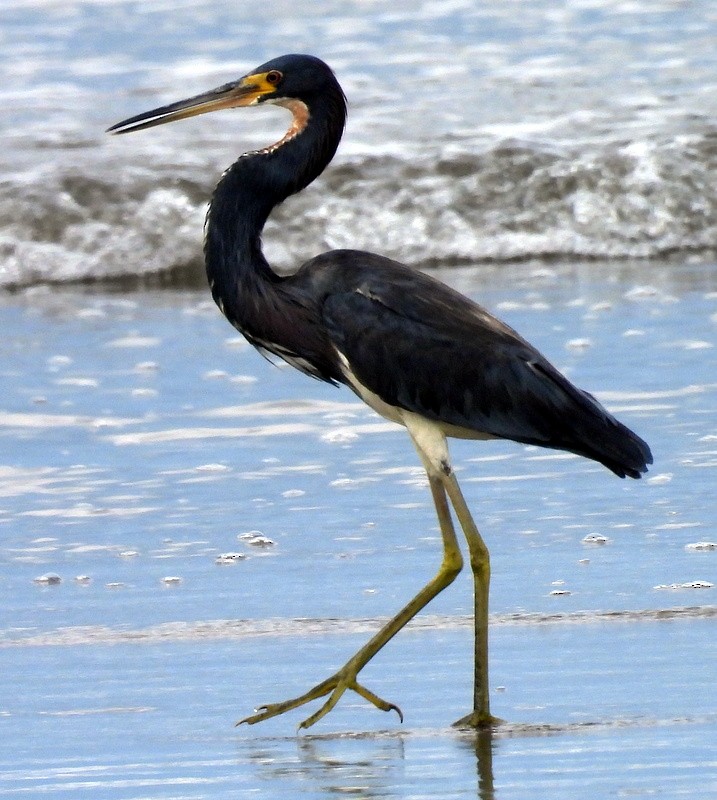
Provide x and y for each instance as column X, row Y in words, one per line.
column 348, row 770
column 335, row 766
column 373, row 765
column 484, row 744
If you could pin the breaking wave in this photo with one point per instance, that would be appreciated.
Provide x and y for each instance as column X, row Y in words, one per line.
column 100, row 213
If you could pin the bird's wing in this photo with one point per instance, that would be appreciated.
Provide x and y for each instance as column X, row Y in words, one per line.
column 423, row 347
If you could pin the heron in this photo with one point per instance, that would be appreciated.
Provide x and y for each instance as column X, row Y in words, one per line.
column 415, row 350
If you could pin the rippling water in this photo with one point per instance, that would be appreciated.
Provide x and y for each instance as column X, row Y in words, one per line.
column 142, row 440
column 486, row 131
column 142, row 437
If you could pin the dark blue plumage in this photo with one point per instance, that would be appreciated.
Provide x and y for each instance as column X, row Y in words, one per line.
column 424, row 347
column 417, row 351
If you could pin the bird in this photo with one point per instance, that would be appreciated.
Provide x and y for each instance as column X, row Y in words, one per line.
column 413, row 349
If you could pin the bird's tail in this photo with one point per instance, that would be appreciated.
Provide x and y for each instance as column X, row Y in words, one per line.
column 620, row 450
column 601, row 437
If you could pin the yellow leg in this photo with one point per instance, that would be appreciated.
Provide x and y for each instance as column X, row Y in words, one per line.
column 345, row 678
column 480, row 717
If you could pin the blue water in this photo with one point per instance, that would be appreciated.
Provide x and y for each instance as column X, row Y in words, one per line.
column 146, row 427
column 155, row 720
column 140, row 438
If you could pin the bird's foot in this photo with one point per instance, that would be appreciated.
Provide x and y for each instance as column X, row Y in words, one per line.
column 334, row 686
column 478, row 721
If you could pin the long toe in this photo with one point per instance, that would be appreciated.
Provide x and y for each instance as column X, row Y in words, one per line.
column 334, row 686
column 382, row 705
column 354, row 686
column 274, row 709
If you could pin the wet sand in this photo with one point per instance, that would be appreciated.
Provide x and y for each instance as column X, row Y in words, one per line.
column 142, row 441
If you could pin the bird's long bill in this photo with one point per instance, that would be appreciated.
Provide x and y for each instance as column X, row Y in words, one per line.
column 244, row 92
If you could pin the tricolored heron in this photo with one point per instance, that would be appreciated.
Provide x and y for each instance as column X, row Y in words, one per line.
column 416, row 351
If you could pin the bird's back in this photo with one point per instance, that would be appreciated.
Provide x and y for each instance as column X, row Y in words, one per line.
column 420, row 346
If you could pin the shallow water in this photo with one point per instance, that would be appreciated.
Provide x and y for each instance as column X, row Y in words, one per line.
column 144, row 448
column 141, row 439
column 155, row 720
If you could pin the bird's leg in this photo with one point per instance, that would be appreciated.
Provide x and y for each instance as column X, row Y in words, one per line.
column 345, row 678
column 480, row 717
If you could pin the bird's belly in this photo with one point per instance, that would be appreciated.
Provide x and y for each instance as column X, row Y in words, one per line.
column 396, row 414
column 393, row 413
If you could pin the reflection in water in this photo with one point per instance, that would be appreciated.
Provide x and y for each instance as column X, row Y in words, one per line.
column 367, row 766
column 484, row 760
column 369, row 774
column 374, row 765
column 482, row 743
column 381, row 764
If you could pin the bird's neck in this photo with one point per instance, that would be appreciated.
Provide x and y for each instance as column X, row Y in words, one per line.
column 237, row 271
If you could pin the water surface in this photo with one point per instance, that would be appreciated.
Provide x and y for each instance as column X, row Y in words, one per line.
column 189, row 531
column 141, row 442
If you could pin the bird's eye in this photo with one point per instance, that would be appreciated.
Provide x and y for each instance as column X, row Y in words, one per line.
column 273, row 77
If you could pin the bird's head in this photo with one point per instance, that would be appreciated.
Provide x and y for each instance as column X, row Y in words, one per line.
column 292, row 80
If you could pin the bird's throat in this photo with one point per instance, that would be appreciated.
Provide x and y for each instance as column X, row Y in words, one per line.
column 300, row 116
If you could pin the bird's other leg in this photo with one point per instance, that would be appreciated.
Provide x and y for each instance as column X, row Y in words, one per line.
column 345, row 678
column 480, row 717
column 430, row 441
